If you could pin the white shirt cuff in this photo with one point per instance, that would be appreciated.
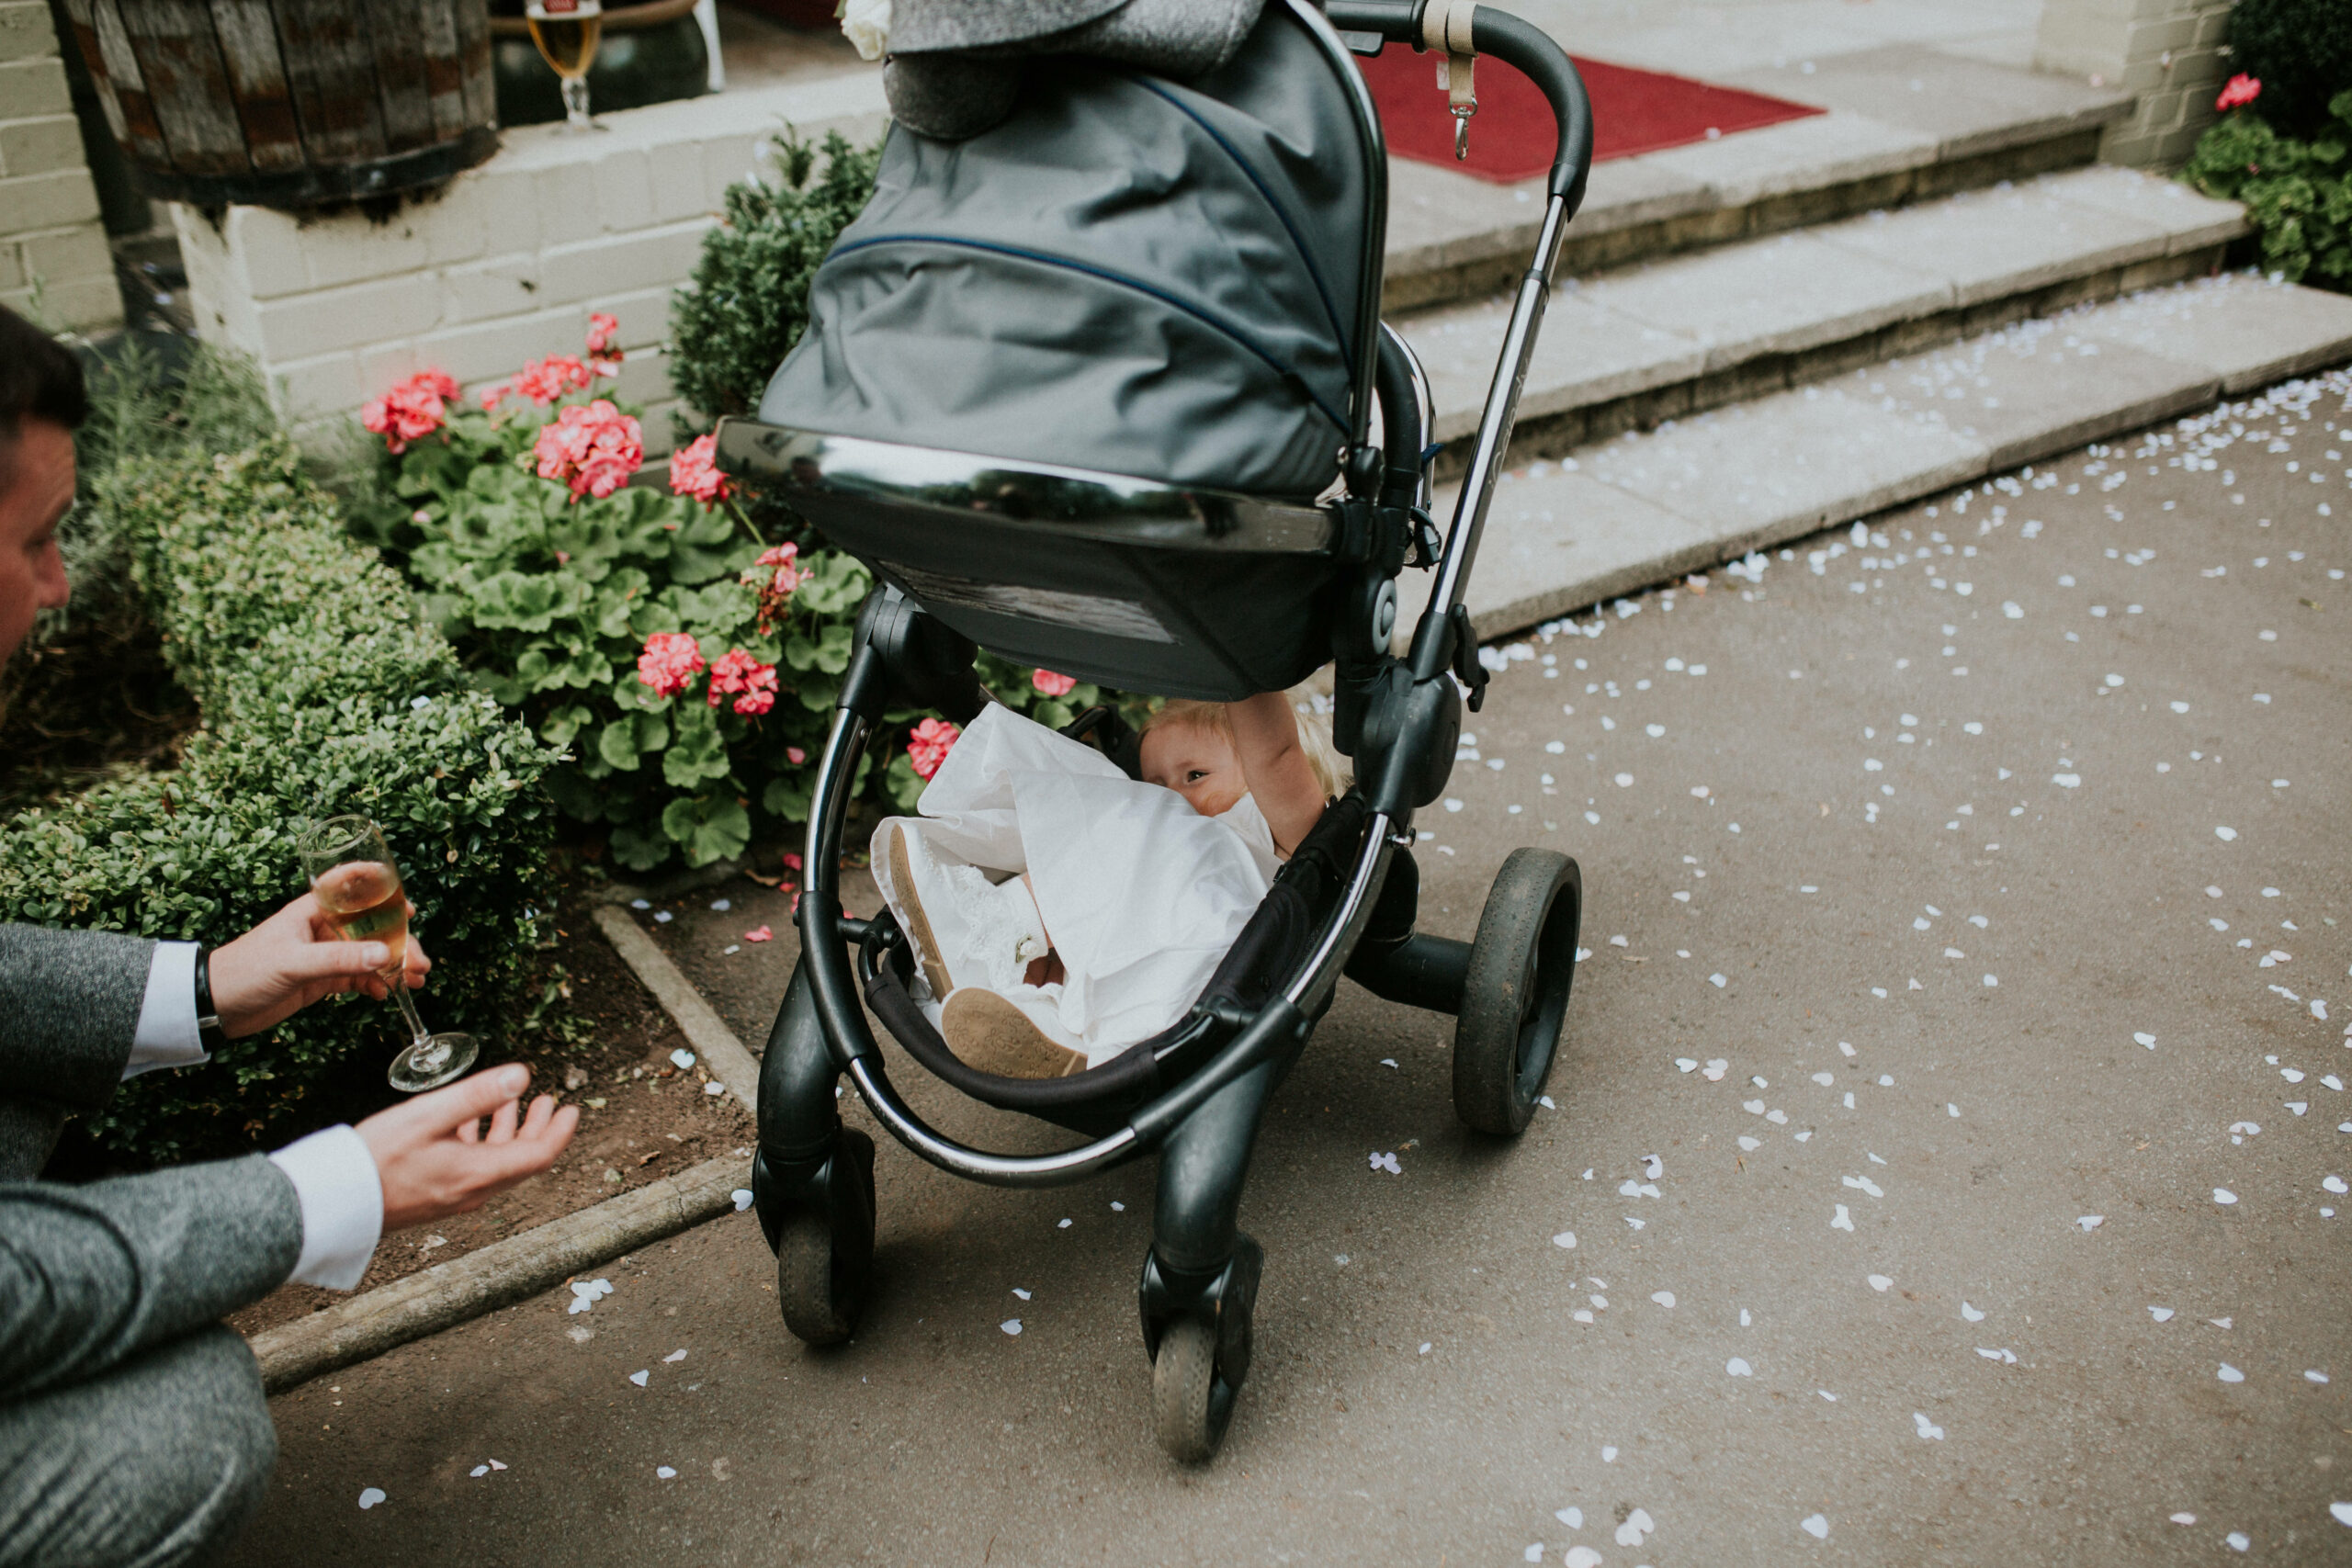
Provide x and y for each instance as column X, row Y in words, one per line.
column 342, row 1206
column 166, row 1035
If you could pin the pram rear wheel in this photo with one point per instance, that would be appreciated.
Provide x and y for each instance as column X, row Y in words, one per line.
column 1192, row 1403
column 824, row 1261
column 1515, row 996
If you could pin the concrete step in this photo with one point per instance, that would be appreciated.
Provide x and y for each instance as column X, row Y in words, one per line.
column 1647, row 508
column 1630, row 348
column 1904, row 123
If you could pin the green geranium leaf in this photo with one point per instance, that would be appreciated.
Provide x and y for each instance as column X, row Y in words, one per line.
column 709, row 828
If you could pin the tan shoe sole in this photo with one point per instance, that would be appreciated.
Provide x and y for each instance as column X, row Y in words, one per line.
column 902, row 875
column 987, row 1032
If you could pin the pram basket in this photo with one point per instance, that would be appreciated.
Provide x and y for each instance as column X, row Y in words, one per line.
column 1161, row 572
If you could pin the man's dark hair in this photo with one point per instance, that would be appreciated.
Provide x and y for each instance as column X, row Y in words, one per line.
column 39, row 379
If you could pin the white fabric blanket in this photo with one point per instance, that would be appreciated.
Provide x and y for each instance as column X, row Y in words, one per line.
column 1141, row 895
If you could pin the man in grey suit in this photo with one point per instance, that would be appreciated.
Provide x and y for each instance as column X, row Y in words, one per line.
column 132, row 1426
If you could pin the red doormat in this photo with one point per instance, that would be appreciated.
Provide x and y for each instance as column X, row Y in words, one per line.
column 1511, row 137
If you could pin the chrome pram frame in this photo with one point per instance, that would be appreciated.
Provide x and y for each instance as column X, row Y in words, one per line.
column 1397, row 717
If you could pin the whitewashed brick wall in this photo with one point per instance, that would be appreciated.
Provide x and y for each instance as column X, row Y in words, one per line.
column 50, row 240
column 506, row 262
column 2166, row 52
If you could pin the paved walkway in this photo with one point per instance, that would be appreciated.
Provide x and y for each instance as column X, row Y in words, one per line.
column 1906, row 1135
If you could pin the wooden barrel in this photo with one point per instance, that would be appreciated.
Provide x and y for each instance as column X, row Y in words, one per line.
column 291, row 103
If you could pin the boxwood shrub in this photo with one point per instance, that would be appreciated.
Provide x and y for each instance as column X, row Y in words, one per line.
column 323, row 691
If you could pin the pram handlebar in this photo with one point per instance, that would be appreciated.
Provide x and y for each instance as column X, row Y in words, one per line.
column 1517, row 43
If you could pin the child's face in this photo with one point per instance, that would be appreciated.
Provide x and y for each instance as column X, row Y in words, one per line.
column 1197, row 764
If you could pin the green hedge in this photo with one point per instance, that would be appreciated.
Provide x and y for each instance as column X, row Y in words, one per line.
column 2297, row 193
column 323, row 691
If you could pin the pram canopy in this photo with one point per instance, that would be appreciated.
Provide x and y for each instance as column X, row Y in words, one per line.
column 1131, row 274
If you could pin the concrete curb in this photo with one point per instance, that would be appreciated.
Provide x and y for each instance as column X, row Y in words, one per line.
column 507, row 1272
column 730, row 1064
column 498, row 1275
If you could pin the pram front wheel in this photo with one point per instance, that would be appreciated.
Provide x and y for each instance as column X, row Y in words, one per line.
column 1515, row 996
column 824, row 1261
column 1191, row 1402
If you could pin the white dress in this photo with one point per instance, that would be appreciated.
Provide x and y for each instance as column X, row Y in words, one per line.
column 1141, row 895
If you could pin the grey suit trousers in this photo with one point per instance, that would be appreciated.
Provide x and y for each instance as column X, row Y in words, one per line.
column 132, row 1426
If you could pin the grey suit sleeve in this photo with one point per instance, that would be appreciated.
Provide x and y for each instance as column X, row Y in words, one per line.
column 69, row 1007
column 92, row 1276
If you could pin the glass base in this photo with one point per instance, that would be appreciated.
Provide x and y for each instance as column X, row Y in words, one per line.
column 432, row 1062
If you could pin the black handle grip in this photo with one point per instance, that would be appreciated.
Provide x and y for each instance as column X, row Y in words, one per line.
column 1521, row 45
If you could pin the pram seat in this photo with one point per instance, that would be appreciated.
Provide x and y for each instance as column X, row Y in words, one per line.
column 1095, row 389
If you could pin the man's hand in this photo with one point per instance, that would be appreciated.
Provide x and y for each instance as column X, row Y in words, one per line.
column 292, row 959
column 433, row 1159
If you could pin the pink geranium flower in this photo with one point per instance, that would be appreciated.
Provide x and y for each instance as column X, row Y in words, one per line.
column 2238, row 92
column 750, row 682
column 694, row 470
column 602, row 330
column 411, row 410
column 774, row 577
column 1053, row 685
column 592, row 450
column 668, row 663
column 929, row 745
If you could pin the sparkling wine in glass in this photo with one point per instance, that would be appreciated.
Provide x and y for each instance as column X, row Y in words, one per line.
column 567, row 32
column 358, row 884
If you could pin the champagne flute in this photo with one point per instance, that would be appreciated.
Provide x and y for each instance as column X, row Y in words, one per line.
column 567, row 32
column 358, row 884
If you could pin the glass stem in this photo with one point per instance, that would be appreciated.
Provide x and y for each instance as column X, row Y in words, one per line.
column 418, row 1033
column 575, row 101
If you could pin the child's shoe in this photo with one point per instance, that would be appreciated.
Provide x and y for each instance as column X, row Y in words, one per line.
column 966, row 930
column 997, row 1034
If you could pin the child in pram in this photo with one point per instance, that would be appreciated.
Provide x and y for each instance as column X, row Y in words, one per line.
column 1060, row 911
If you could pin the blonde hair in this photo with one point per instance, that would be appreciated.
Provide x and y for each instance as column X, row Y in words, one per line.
column 1331, row 770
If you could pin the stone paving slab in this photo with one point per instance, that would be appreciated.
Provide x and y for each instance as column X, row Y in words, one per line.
column 1756, row 475
column 1586, row 354
column 2034, row 389
column 1966, row 106
column 1782, row 295
column 1558, row 540
column 1990, row 245
column 2248, row 330
column 1797, row 155
column 2191, row 220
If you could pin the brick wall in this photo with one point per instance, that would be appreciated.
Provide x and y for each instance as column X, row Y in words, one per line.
column 2166, row 52
column 50, row 239
column 506, row 262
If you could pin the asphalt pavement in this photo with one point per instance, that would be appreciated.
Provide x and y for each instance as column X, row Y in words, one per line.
column 1945, row 1161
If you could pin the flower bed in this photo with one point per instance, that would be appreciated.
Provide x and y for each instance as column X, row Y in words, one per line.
column 2297, row 192
column 323, row 691
column 689, row 663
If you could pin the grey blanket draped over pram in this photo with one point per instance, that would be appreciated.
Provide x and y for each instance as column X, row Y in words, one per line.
column 955, row 65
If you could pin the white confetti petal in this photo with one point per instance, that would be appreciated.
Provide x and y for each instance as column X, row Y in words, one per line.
column 2223, row 1195
column 1566, row 1240
column 639, row 1378
column 371, row 1495
column 1879, row 1283
column 1815, row 1526
column 1010, row 1326
column 1738, row 1368
column 2231, row 1374
column 2090, row 1221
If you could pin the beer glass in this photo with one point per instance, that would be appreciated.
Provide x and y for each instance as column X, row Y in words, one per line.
column 567, row 32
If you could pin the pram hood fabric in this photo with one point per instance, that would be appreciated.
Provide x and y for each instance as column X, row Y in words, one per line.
column 1130, row 275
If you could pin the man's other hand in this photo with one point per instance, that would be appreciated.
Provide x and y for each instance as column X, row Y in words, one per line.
column 292, row 960
column 433, row 1159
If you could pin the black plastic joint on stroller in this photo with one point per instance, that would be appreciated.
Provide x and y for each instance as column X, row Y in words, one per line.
column 1155, row 578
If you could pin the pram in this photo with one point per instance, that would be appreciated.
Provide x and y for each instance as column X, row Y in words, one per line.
column 1095, row 391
